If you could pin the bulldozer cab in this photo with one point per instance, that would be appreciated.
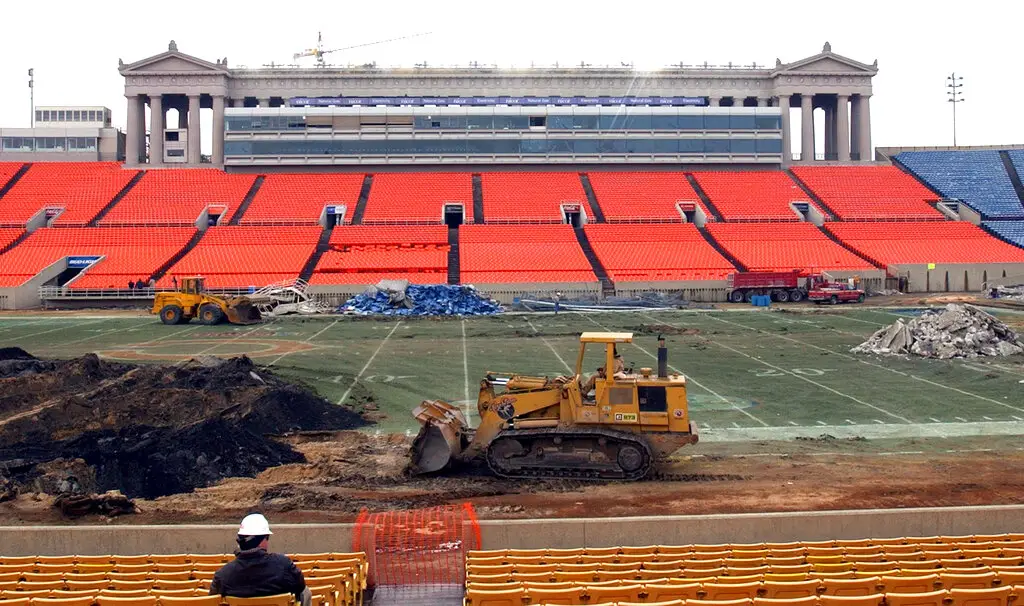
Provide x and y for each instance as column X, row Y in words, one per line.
column 192, row 286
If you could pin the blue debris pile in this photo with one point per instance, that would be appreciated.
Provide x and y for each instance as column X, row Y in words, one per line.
column 399, row 298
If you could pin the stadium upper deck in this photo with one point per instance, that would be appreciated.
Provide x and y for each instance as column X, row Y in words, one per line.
column 340, row 129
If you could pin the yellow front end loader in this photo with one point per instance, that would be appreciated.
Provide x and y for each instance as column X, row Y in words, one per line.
column 537, row 427
column 191, row 301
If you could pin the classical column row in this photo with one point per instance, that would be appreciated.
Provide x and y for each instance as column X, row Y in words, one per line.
column 188, row 120
column 847, row 126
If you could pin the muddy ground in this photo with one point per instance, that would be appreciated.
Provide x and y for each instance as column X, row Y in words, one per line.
column 347, row 471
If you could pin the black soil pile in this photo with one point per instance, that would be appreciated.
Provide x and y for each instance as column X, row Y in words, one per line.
column 150, row 431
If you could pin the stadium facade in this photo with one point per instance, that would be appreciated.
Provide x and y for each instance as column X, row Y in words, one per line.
column 366, row 115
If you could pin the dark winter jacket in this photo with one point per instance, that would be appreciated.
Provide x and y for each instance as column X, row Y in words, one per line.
column 255, row 573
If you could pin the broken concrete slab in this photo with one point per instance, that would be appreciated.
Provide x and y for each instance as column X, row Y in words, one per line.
column 955, row 331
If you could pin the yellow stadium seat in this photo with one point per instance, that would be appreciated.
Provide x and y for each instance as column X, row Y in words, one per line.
column 710, row 548
column 672, row 564
column 620, row 566
column 10, row 577
column 16, row 601
column 170, row 576
column 858, row 558
column 873, row 599
column 850, row 587
column 566, row 595
column 908, row 552
column 18, row 560
column 617, row 575
column 215, row 566
column 539, row 577
column 836, row 558
column 889, row 541
column 42, row 577
column 40, row 585
column 786, row 577
column 576, row 577
column 656, row 575
column 824, row 551
column 840, row 567
column 961, row 563
column 743, row 602
column 674, row 550
column 991, row 552
column 782, row 590
column 168, row 558
column 1007, row 577
column 833, row 575
column 86, row 601
column 929, row 598
column 783, row 546
column 650, row 603
column 489, row 578
column 992, row 596
column 36, row 593
column 212, row 558
column 621, row 593
column 790, row 561
column 281, row 599
column 127, row 576
column 749, row 554
column 941, row 554
column 168, row 567
column 951, row 580
column 714, row 556
column 176, row 584
column 804, row 601
column 600, row 551
column 64, row 593
column 892, row 572
column 916, row 584
column 645, row 550
column 107, row 600
column 733, row 580
column 660, row 592
column 920, row 565
column 123, row 560
column 476, row 569
column 702, row 573
column 787, row 552
column 124, row 593
column 91, row 568
column 730, row 591
column 197, row 600
column 143, row 584
column 871, row 566
column 92, row 576
column 86, row 585
column 849, row 544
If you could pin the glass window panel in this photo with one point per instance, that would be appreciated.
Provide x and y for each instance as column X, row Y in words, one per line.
column 742, row 146
column 612, row 146
column 716, row 146
column 768, row 146
column 480, row 122
column 560, row 146
column 691, row 146
column 611, row 122
column 741, row 122
column 560, row 122
column 511, row 122
column 665, row 146
column 584, row 122
column 664, row 122
column 638, row 123
column 691, row 122
column 639, row 146
column 534, row 146
column 768, row 122
column 585, row 146
column 238, row 148
column 716, row 122
column 76, row 116
column 39, row 115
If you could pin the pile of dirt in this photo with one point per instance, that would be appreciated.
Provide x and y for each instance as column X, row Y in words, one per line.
column 152, row 430
column 662, row 329
column 955, row 331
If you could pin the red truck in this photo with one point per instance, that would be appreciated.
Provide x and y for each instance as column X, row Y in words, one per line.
column 786, row 286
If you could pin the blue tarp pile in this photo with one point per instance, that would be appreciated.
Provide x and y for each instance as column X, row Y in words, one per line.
column 421, row 300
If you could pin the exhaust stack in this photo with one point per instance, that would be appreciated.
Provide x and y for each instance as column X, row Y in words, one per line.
column 662, row 358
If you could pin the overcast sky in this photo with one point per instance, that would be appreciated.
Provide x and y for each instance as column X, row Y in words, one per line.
column 74, row 46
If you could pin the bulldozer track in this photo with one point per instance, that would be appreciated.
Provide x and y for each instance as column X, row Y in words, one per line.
column 657, row 476
column 611, row 471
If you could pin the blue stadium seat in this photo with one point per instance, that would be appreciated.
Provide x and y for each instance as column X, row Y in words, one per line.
column 1012, row 231
column 975, row 177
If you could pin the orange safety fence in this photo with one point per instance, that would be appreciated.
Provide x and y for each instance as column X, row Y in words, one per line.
column 419, row 546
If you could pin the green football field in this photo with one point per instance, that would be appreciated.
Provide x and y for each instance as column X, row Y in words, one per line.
column 753, row 375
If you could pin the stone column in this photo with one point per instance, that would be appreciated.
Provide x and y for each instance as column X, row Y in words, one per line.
column 182, row 108
column 131, row 144
column 156, row 130
column 806, row 128
column 264, row 102
column 762, row 102
column 864, row 129
column 194, row 142
column 830, row 141
column 843, row 127
column 854, row 125
column 787, row 141
column 218, row 130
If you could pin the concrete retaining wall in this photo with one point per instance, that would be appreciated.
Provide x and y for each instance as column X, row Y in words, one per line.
column 526, row 534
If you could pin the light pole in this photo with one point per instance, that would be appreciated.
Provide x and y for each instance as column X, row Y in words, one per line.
column 954, row 84
column 32, row 97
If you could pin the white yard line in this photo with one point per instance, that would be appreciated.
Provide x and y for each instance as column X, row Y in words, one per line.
column 36, row 334
column 306, row 340
column 97, row 335
column 20, row 325
column 368, row 362
column 465, row 368
column 546, row 342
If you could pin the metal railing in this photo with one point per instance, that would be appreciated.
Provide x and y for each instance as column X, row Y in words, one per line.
column 64, row 292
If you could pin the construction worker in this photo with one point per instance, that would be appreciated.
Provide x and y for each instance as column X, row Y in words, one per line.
column 618, row 372
column 254, row 572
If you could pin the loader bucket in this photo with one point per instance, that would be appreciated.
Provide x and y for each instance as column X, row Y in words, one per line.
column 242, row 312
column 440, row 438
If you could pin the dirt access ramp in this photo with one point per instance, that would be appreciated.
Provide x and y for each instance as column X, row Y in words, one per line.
column 151, row 430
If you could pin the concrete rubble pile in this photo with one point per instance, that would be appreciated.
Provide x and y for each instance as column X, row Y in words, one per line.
column 1013, row 293
column 399, row 298
column 955, row 331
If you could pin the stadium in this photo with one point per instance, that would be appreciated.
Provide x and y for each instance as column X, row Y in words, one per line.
column 823, row 476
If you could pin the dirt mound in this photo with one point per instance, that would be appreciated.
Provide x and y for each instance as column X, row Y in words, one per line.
column 15, row 353
column 662, row 329
column 154, row 430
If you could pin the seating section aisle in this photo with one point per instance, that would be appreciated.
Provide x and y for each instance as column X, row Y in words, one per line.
column 8, row 235
column 498, row 254
column 654, row 253
column 976, row 177
column 632, row 196
column 300, row 198
column 785, row 247
column 179, row 196
column 530, row 196
column 239, row 256
column 870, row 192
column 367, row 254
column 1010, row 230
column 926, row 242
column 923, row 571
column 752, row 196
column 418, row 197
column 82, row 189
column 127, row 254
column 334, row 579
column 7, row 171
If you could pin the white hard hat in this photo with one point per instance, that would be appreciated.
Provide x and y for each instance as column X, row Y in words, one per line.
column 254, row 525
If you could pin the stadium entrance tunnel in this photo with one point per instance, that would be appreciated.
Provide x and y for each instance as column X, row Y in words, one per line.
column 454, row 215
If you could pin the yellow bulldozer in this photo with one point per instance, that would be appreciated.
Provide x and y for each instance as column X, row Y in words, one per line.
column 191, row 301
column 539, row 427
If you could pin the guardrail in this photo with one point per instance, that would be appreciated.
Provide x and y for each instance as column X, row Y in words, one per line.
column 64, row 292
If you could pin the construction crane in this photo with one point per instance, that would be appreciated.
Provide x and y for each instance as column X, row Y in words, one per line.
column 319, row 51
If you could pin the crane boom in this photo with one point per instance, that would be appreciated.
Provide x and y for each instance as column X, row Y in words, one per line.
column 319, row 51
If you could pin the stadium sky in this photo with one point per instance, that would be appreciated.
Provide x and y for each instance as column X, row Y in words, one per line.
column 74, row 46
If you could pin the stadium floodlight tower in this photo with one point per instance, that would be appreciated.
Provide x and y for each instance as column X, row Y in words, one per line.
column 954, row 84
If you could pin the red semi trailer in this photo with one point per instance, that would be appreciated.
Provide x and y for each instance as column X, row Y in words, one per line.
column 786, row 286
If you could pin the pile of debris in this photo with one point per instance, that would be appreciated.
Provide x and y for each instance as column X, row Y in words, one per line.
column 955, row 331
column 399, row 298
column 1013, row 293
column 149, row 430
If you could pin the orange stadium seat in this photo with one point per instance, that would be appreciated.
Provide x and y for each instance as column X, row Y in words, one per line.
column 870, row 192
column 7, row 171
column 179, row 196
column 366, row 254
column 81, row 189
column 8, row 235
column 299, row 199
column 655, row 252
column 127, row 254
column 236, row 256
column 417, row 197
column 752, row 195
column 496, row 254
column 530, row 196
column 632, row 196
column 925, row 242
column 784, row 247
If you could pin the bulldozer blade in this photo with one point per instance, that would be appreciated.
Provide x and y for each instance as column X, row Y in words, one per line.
column 242, row 313
column 440, row 438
